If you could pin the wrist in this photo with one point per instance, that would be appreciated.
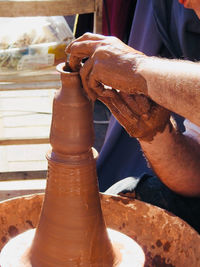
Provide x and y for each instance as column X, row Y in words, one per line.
column 139, row 82
column 168, row 128
column 148, row 68
column 160, row 120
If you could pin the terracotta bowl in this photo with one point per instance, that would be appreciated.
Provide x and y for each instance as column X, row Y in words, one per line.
column 166, row 239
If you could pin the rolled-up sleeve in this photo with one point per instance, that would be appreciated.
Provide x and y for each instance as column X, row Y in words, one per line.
column 192, row 130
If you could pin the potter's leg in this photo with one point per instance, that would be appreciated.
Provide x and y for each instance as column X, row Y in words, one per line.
column 151, row 190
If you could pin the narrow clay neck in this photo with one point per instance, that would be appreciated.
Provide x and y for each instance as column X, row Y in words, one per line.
column 72, row 130
column 73, row 94
column 71, row 230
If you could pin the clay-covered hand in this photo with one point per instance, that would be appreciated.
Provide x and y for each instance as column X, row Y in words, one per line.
column 139, row 115
column 110, row 62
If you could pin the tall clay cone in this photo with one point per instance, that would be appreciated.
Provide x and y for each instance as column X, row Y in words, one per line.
column 71, row 230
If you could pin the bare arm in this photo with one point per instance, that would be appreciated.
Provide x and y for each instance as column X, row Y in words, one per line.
column 175, row 158
column 174, row 84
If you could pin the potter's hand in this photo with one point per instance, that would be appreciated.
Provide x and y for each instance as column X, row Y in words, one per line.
column 140, row 116
column 110, row 62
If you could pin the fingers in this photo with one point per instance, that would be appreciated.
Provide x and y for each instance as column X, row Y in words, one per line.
column 75, row 63
column 124, row 109
column 85, row 74
column 144, row 103
column 99, row 87
column 119, row 107
column 88, row 36
column 80, row 50
column 93, row 87
column 129, row 127
column 85, row 38
column 130, row 101
column 116, row 113
column 83, row 47
column 139, row 104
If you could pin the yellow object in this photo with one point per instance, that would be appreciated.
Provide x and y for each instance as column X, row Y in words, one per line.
column 58, row 50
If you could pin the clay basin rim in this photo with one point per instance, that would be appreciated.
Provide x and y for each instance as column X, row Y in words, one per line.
column 166, row 239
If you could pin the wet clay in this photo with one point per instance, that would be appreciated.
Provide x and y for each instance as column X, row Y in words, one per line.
column 71, row 230
column 71, row 223
column 139, row 115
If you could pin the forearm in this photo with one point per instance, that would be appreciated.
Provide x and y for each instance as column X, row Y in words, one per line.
column 174, row 84
column 175, row 158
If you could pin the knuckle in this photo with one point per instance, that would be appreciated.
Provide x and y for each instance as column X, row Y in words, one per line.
column 88, row 35
column 113, row 38
column 100, row 52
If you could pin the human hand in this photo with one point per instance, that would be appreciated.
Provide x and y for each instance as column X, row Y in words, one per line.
column 110, row 62
column 139, row 115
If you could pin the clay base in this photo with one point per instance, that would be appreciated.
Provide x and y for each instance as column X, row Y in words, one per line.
column 17, row 251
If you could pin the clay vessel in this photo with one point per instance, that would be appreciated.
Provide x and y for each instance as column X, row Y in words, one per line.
column 71, row 230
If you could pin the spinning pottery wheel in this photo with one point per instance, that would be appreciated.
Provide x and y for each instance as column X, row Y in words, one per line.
column 71, row 229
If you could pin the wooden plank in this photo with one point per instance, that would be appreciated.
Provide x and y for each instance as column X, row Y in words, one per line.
column 10, row 189
column 49, row 74
column 30, row 80
column 23, row 158
column 24, row 141
column 25, row 118
column 98, row 16
column 16, row 8
column 23, row 175
column 8, row 86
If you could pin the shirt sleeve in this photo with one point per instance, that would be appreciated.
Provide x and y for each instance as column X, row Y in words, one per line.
column 192, row 130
